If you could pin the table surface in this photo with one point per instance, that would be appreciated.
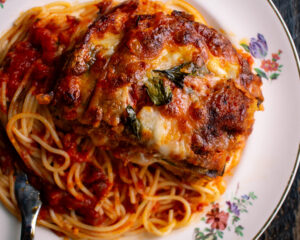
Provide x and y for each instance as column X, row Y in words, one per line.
column 286, row 225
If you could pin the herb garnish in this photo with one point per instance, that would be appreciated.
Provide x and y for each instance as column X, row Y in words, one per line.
column 133, row 122
column 178, row 73
column 158, row 93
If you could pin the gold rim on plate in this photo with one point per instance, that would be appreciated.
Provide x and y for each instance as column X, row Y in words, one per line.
column 294, row 172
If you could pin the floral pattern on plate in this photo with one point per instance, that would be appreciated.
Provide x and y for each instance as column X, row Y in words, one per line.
column 258, row 48
column 266, row 67
column 2, row 3
column 218, row 221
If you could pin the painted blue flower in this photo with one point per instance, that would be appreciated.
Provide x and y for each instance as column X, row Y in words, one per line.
column 245, row 197
column 233, row 208
column 258, row 47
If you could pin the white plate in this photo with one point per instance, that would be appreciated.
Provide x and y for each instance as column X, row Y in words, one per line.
column 269, row 163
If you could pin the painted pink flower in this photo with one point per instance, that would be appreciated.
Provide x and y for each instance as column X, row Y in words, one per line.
column 269, row 66
column 218, row 219
column 275, row 56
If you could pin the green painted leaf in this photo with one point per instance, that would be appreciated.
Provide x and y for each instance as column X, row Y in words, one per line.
column 246, row 47
column 220, row 234
column 158, row 93
column 207, row 230
column 274, row 76
column 261, row 73
column 239, row 230
column 133, row 122
column 1, row 5
column 280, row 66
column 235, row 219
column 203, row 219
column 252, row 195
column 199, row 235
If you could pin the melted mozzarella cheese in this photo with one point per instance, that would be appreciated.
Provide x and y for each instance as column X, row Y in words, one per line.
column 222, row 68
column 174, row 56
column 171, row 57
column 162, row 134
column 108, row 43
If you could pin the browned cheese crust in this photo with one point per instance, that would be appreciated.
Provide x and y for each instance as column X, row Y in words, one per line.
column 193, row 119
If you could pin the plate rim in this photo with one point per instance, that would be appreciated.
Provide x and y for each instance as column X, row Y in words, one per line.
column 297, row 161
column 294, row 171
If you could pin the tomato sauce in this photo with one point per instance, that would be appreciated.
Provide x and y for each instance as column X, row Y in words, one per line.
column 6, row 161
column 52, row 197
column 41, row 54
column 17, row 64
column 76, row 153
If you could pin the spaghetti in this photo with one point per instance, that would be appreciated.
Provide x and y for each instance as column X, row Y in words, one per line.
column 87, row 192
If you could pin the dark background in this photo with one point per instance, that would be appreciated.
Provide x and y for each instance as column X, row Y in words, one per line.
column 286, row 225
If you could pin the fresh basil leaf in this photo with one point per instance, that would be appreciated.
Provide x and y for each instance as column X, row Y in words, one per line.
column 158, row 93
column 199, row 71
column 133, row 122
column 174, row 74
column 178, row 73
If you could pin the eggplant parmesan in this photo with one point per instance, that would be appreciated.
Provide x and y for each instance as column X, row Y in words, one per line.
column 155, row 86
column 125, row 115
